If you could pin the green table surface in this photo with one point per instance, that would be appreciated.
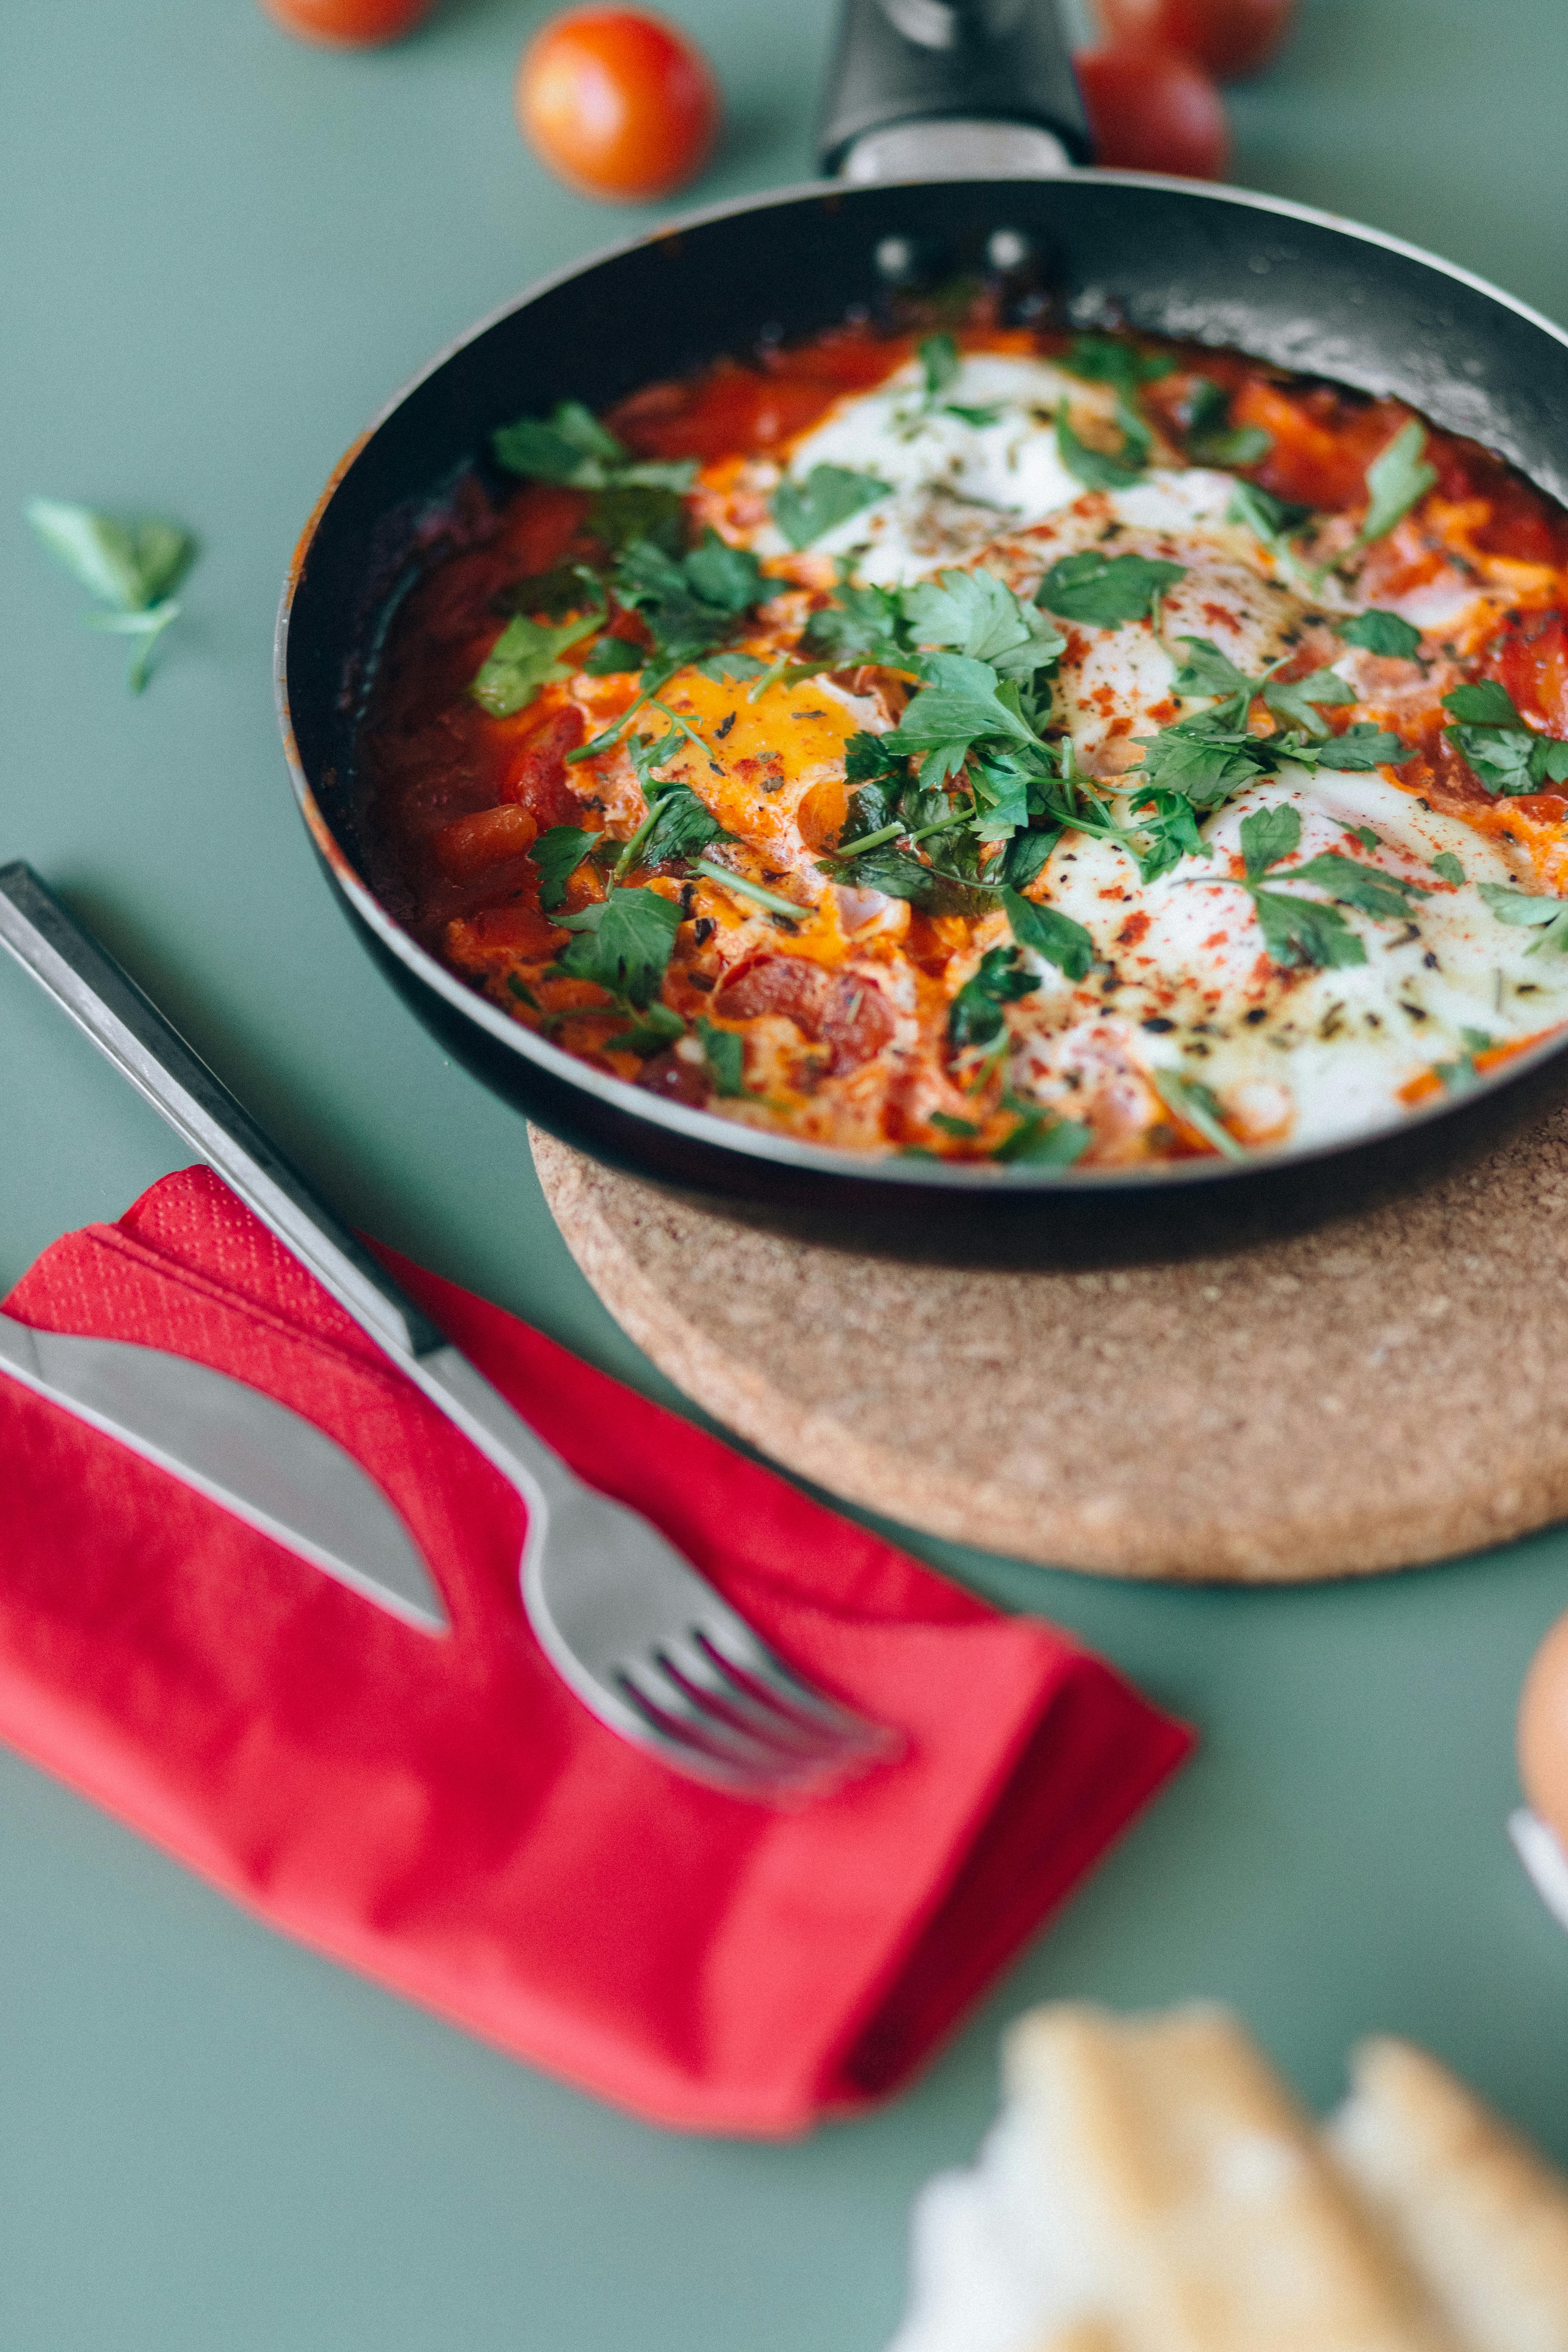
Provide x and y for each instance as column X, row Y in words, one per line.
column 220, row 252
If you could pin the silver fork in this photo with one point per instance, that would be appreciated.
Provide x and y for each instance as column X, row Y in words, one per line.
column 642, row 1639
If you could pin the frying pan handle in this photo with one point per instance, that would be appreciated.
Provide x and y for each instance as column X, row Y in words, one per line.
column 128, row 1030
column 924, row 86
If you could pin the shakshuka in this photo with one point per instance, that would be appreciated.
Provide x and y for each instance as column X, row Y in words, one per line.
column 994, row 745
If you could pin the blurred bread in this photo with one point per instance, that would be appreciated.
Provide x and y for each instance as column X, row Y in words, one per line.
column 1475, row 2213
column 1153, row 2187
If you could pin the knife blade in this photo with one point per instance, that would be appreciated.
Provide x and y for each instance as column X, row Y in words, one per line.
column 255, row 1457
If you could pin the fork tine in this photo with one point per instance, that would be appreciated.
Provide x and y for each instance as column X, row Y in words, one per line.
column 712, row 1680
column 738, row 1649
column 676, row 1713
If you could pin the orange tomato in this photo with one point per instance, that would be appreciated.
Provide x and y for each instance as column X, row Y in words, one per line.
column 1151, row 110
column 1226, row 38
column 618, row 103
column 347, row 24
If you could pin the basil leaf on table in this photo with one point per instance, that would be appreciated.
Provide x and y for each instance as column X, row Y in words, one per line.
column 130, row 568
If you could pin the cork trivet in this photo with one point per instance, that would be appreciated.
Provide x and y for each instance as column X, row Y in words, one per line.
column 1388, row 1390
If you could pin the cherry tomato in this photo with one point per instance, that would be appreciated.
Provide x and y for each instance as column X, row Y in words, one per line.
column 618, row 103
column 1151, row 110
column 1226, row 38
column 349, row 24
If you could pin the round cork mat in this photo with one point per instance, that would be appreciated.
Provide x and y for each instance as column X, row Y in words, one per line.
column 1386, row 1391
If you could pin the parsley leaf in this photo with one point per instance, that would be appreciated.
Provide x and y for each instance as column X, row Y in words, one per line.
column 1395, row 481
column 1041, row 1141
column 1507, row 756
column 690, row 602
column 132, row 570
column 574, row 449
column 829, row 495
column 1381, row 633
column 623, row 944
column 1107, row 591
column 1201, row 766
column 724, row 1051
column 1050, row 933
column 1101, row 359
column 939, row 364
column 1300, row 931
column 1527, row 911
column 1170, row 830
column 558, row 853
column 682, row 825
column 1295, row 700
column 659, row 1026
column 1026, row 856
column 960, row 704
column 1198, row 1107
column 1446, row 865
column 524, row 658
column 611, row 656
column 1096, row 469
column 1211, row 439
column 862, row 625
column 1361, row 747
column 899, row 874
column 1208, row 671
column 975, row 1017
column 629, row 510
column 1368, row 888
column 975, row 613
column 1273, row 521
column 1267, row 835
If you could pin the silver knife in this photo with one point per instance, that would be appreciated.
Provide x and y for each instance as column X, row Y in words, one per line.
column 255, row 1457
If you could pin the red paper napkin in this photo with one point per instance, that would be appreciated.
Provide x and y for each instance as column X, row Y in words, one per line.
column 443, row 1814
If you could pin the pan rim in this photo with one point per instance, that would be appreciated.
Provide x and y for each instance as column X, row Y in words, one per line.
column 977, row 1181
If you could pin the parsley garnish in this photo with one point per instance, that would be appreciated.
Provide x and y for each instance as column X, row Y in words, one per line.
column 132, row 570
column 1396, row 481
column 1446, row 865
column 1211, row 439
column 623, row 945
column 724, row 1051
column 976, row 615
column 1211, row 755
column 976, row 1017
column 1108, row 591
column 1198, row 1106
column 1381, row 633
column 829, row 495
column 524, row 658
column 1097, row 469
column 1527, row 911
column 574, row 449
column 1300, row 930
column 557, row 854
column 1040, row 1140
column 1050, row 933
column 1506, row 756
column 1273, row 521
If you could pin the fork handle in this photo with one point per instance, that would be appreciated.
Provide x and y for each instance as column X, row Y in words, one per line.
column 128, row 1028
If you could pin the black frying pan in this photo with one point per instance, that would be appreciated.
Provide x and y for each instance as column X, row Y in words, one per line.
column 981, row 87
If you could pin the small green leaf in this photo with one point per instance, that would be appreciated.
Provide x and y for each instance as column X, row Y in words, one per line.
column 958, row 706
column 1211, row 440
column 1094, row 468
column 1197, row 1105
column 1208, row 671
column 976, row 1017
column 1483, row 704
column 1446, row 865
column 557, row 854
column 964, row 1129
column 1300, row 931
column 724, row 1050
column 1274, row 520
column 574, row 449
column 1396, row 481
column 1296, row 701
column 1381, row 633
column 1050, row 933
column 939, row 364
column 806, row 511
column 660, row 1026
column 976, row 615
column 1039, row 1141
column 623, row 944
column 525, row 659
column 1107, row 592
column 1368, row 888
column 1365, row 746
column 1267, row 835
column 612, row 654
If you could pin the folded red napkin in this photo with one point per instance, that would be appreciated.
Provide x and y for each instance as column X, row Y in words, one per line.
column 443, row 1814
